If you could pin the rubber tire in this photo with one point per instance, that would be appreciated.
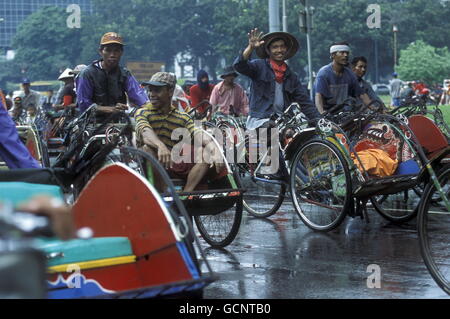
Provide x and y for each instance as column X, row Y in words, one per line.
column 384, row 212
column 228, row 239
column 340, row 216
column 423, row 228
column 273, row 209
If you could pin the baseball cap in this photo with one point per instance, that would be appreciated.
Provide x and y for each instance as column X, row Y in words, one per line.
column 162, row 79
column 394, row 74
column 110, row 38
column 26, row 81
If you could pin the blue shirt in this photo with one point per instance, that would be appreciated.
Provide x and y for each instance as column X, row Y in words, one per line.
column 336, row 89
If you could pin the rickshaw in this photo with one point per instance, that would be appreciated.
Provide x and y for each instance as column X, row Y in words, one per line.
column 329, row 179
column 142, row 245
column 263, row 196
column 418, row 105
column 215, row 205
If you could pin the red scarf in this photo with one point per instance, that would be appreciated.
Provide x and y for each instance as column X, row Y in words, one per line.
column 279, row 70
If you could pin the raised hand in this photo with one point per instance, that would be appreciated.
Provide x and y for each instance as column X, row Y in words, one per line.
column 254, row 38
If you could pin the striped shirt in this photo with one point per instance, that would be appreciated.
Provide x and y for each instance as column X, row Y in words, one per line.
column 163, row 124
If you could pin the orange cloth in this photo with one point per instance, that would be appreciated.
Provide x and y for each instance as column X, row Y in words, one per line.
column 376, row 162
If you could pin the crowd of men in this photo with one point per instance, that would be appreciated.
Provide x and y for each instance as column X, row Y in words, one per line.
column 163, row 105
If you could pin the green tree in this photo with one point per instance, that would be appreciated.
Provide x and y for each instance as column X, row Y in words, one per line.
column 421, row 61
column 45, row 45
column 153, row 30
column 215, row 31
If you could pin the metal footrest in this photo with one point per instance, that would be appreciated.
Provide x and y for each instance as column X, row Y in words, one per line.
column 386, row 185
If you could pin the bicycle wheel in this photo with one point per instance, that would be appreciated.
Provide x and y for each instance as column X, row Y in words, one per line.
column 320, row 185
column 219, row 230
column 433, row 224
column 262, row 199
column 398, row 208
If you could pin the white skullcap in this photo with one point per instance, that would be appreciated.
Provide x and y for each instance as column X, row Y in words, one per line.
column 340, row 47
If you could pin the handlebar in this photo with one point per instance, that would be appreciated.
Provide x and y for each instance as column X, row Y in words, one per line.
column 195, row 108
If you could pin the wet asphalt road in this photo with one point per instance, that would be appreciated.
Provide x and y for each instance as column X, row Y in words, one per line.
column 280, row 258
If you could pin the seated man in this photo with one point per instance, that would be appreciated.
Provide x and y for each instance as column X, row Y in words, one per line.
column 336, row 82
column 18, row 112
column 106, row 83
column 229, row 97
column 155, row 123
column 200, row 93
column 359, row 67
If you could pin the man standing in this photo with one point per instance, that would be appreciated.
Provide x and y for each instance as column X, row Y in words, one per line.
column 359, row 67
column 335, row 82
column 396, row 89
column 155, row 123
column 229, row 97
column 274, row 85
column 29, row 97
column 201, row 92
column 107, row 84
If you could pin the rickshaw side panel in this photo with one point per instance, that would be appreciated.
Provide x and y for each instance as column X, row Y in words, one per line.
column 118, row 202
column 143, row 275
column 428, row 133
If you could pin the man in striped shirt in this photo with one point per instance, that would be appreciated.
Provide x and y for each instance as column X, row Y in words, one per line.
column 155, row 123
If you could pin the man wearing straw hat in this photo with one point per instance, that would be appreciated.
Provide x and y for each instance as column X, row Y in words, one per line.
column 67, row 96
column 229, row 97
column 274, row 85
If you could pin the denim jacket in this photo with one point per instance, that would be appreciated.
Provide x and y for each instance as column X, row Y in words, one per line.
column 262, row 91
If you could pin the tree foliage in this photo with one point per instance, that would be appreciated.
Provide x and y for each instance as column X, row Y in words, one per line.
column 214, row 31
column 420, row 61
column 45, row 45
